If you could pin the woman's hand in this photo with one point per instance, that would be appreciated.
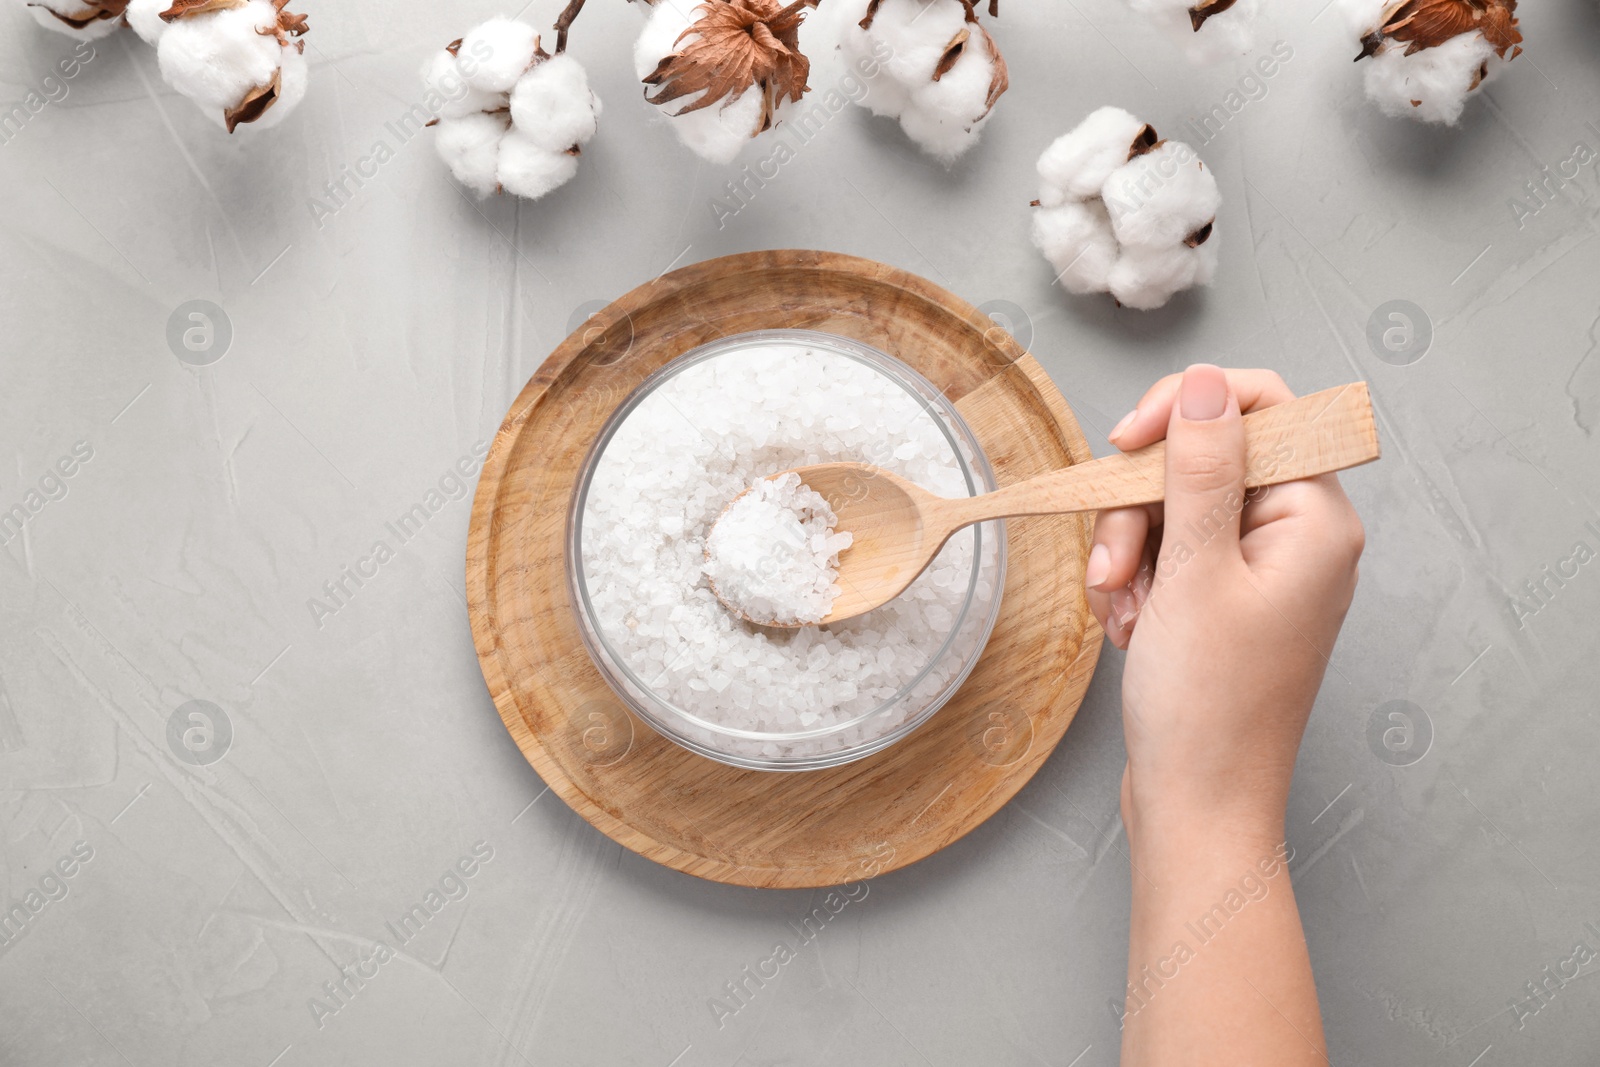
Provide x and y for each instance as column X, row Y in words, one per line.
column 1227, row 602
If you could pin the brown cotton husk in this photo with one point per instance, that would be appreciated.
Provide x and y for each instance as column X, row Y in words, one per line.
column 1000, row 80
column 188, row 9
column 1146, row 140
column 1202, row 11
column 93, row 11
column 254, row 104
column 952, row 52
column 736, row 46
column 289, row 23
column 1420, row 24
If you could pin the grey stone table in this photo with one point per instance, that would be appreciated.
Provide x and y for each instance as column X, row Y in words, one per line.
column 228, row 910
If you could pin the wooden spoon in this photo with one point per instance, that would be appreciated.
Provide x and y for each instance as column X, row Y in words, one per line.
column 898, row 527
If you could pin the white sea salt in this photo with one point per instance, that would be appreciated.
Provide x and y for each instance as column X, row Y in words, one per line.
column 704, row 435
column 773, row 554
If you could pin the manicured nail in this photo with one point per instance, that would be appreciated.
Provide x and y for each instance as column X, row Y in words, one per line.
column 1116, row 431
column 1099, row 566
column 1204, row 393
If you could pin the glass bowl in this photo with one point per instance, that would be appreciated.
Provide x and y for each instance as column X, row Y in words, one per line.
column 654, row 684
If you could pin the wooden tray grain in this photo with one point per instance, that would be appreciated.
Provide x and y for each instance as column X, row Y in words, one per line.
column 763, row 828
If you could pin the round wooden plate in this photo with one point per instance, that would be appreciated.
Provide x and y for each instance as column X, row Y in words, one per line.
column 764, row 828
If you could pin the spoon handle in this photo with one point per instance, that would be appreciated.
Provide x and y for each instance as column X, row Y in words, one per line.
column 1314, row 434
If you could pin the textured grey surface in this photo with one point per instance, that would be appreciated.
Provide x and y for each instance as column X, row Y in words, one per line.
column 372, row 349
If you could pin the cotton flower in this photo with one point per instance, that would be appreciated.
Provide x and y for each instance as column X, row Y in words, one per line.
column 1210, row 30
column 471, row 146
column 237, row 60
column 86, row 20
column 145, row 18
column 443, row 78
column 722, row 70
column 503, row 49
column 552, row 106
column 937, row 69
column 1425, row 57
column 524, row 139
column 1121, row 211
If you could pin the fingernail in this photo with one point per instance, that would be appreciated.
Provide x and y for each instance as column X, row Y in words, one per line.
column 1116, row 431
column 1113, row 629
column 1099, row 566
column 1204, row 393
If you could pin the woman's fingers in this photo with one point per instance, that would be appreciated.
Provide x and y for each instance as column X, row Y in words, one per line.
column 1117, row 607
column 1305, row 496
column 1148, row 421
column 1119, row 535
column 1100, row 606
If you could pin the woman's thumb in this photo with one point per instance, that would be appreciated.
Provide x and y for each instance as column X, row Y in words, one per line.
column 1205, row 469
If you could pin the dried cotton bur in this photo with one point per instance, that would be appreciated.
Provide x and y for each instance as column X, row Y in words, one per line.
column 722, row 70
column 240, row 60
column 937, row 69
column 1210, row 30
column 1121, row 211
column 511, row 117
column 1424, row 57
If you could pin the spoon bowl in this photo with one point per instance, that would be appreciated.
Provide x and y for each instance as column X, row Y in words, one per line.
column 892, row 522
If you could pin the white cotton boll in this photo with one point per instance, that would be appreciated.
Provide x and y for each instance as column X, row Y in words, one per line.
column 885, row 96
column 499, row 50
column 860, row 51
column 442, row 75
column 944, row 117
column 216, row 59
column 529, row 170
column 552, row 106
column 1146, row 278
column 1077, row 164
column 1161, row 197
column 1431, row 84
column 471, row 146
column 659, row 38
column 145, row 18
column 44, row 13
column 716, row 133
column 905, row 43
column 1362, row 16
column 916, row 33
column 1077, row 240
column 937, row 133
column 1108, row 223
